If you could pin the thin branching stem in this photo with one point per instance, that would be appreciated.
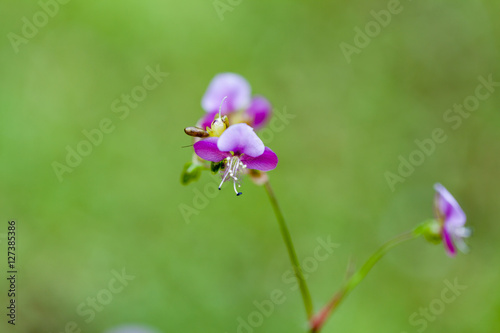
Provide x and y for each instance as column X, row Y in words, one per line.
column 319, row 320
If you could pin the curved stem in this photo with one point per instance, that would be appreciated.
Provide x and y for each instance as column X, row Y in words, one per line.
column 319, row 320
column 306, row 296
column 375, row 257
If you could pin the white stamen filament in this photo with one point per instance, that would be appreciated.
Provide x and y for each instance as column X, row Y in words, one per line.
column 233, row 168
column 230, row 162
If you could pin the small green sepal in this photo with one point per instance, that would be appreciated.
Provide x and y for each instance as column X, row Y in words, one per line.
column 190, row 173
column 216, row 166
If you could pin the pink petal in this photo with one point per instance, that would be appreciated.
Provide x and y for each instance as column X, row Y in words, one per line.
column 449, row 207
column 448, row 243
column 234, row 86
column 206, row 120
column 207, row 150
column 260, row 111
column 265, row 162
column 241, row 139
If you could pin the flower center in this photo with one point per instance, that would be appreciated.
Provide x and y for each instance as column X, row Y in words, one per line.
column 232, row 171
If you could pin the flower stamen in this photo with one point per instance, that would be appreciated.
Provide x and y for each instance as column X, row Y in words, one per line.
column 232, row 171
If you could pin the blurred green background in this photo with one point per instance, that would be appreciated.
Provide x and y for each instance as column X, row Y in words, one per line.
column 120, row 207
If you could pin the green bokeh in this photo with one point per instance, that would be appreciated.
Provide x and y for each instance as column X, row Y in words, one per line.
column 120, row 207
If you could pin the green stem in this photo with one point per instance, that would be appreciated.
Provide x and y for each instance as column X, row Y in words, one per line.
column 319, row 320
column 357, row 277
column 306, row 296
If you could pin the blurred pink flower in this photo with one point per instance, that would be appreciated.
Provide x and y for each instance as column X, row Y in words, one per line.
column 452, row 220
column 256, row 110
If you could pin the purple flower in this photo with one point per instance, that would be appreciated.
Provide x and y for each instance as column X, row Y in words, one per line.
column 452, row 220
column 239, row 148
column 256, row 110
